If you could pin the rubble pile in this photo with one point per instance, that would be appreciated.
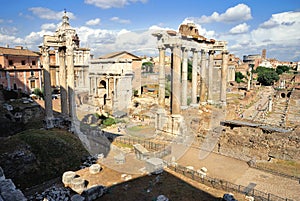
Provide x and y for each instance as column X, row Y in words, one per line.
column 52, row 194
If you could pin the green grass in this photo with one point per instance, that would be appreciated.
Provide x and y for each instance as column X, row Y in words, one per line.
column 56, row 151
column 136, row 128
column 288, row 167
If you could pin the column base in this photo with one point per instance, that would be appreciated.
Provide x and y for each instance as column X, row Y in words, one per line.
column 203, row 103
column 49, row 123
column 194, row 105
column 210, row 102
column 184, row 107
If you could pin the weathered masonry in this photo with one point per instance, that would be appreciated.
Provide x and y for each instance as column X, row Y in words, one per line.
column 181, row 43
column 65, row 40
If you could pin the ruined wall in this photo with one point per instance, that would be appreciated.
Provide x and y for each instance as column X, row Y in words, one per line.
column 248, row 143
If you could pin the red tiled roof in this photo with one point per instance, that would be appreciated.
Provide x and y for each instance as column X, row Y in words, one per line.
column 14, row 51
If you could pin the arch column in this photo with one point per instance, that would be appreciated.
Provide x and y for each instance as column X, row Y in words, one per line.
column 184, row 78
column 203, row 84
column 176, row 84
column 162, row 77
column 63, row 83
column 210, row 76
column 47, row 88
column 194, row 77
column 224, row 71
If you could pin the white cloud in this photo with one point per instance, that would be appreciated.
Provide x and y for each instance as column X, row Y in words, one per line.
column 121, row 21
column 1, row 20
column 279, row 35
column 46, row 13
column 93, row 22
column 238, row 13
column 240, row 29
column 105, row 4
column 11, row 40
column 281, row 28
column 49, row 26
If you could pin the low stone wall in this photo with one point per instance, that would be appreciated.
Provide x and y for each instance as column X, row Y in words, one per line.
column 248, row 143
column 8, row 190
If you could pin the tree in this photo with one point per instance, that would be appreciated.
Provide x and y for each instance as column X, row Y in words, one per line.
column 266, row 76
column 239, row 77
column 282, row 69
column 148, row 66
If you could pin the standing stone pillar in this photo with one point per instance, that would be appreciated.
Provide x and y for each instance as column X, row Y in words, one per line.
column 95, row 86
column 90, row 87
column 210, row 76
column 224, row 71
column 249, row 78
column 8, row 81
column 63, row 83
column 184, row 78
column 203, row 84
column 70, row 83
column 47, row 88
column 115, row 99
column 194, row 78
column 176, row 85
column 162, row 77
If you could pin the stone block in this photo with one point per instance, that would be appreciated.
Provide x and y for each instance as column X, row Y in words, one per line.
column 2, row 176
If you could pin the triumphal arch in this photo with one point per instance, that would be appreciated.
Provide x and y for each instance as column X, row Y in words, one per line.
column 65, row 40
column 187, row 40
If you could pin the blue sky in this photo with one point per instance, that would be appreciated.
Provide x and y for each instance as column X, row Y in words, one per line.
column 115, row 25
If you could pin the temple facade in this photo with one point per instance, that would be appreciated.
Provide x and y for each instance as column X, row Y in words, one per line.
column 213, row 76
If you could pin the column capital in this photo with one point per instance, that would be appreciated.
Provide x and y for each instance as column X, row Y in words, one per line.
column 175, row 45
column 195, row 50
column 185, row 49
column 161, row 47
column 225, row 52
column 204, row 51
column 211, row 52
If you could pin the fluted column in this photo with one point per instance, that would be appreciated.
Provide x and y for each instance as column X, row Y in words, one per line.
column 63, row 82
column 224, row 71
column 194, row 77
column 70, row 83
column 203, row 84
column 162, row 77
column 184, row 78
column 47, row 88
column 176, row 85
column 210, row 76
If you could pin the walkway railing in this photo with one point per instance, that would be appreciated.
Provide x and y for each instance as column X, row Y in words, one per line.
column 226, row 185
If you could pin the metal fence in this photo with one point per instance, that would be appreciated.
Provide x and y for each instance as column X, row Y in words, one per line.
column 226, row 185
column 146, row 143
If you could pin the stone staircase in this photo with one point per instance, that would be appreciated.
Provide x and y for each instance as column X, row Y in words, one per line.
column 278, row 115
column 293, row 113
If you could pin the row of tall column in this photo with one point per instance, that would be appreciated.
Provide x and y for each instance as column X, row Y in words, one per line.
column 179, row 75
column 67, row 92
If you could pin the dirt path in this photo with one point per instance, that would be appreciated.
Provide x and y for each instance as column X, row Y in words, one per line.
column 240, row 173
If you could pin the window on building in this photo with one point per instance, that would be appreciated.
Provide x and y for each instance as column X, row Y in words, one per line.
column 32, row 84
column 10, row 62
column 23, row 62
column 32, row 73
column 33, row 63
